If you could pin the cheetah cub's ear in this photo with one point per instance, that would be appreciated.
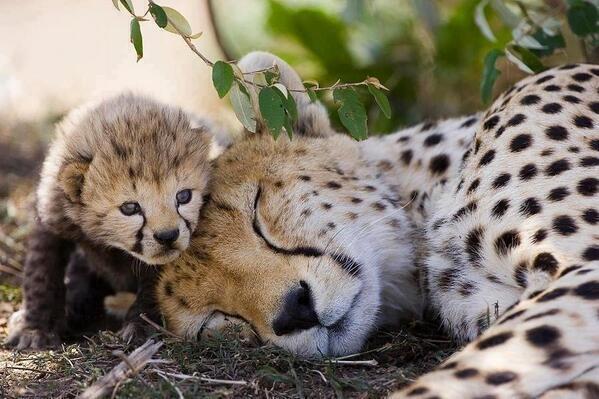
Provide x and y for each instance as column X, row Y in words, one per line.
column 71, row 178
column 313, row 119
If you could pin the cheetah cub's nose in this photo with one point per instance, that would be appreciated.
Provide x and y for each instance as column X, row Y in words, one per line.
column 167, row 237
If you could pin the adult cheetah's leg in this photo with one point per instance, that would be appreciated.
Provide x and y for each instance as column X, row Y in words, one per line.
column 44, row 291
column 542, row 343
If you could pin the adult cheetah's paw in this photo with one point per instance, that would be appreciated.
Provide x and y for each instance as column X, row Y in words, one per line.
column 23, row 338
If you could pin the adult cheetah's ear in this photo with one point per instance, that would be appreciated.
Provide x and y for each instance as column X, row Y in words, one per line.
column 71, row 179
column 313, row 119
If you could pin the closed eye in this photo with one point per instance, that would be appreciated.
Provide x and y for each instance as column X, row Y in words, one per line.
column 303, row 251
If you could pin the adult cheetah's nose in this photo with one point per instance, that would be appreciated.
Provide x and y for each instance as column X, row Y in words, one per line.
column 297, row 313
column 167, row 237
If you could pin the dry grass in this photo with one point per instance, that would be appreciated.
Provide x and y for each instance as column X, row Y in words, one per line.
column 223, row 366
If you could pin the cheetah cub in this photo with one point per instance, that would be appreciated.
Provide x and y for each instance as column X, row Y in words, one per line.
column 120, row 191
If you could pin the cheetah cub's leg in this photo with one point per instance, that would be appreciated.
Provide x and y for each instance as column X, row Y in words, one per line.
column 42, row 319
column 547, row 342
column 584, row 387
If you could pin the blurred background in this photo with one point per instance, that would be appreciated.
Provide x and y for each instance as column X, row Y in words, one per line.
column 430, row 54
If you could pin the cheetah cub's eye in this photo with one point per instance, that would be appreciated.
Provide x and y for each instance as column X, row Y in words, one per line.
column 183, row 197
column 130, row 208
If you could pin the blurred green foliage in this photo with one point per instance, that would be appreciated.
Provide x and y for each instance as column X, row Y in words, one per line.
column 430, row 54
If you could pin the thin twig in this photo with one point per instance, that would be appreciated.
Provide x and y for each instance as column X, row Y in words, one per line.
column 158, row 327
column 204, row 379
column 355, row 362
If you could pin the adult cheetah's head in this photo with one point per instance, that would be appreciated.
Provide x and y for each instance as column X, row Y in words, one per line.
column 290, row 240
column 130, row 173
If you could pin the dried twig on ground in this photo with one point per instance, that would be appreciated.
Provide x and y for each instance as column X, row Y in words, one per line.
column 133, row 363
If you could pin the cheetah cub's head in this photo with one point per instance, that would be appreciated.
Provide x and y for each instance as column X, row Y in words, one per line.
column 129, row 173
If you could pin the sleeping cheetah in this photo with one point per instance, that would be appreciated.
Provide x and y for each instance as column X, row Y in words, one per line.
column 489, row 220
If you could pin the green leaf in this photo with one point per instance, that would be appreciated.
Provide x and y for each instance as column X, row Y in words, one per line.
column 529, row 59
column 242, row 105
column 309, row 85
column 272, row 75
column 159, row 15
column 288, row 101
column 381, row 99
column 481, row 21
column 352, row 112
column 115, row 3
column 272, row 109
column 490, row 74
column 583, row 18
column 551, row 42
column 136, row 38
column 222, row 77
column 128, row 6
column 176, row 21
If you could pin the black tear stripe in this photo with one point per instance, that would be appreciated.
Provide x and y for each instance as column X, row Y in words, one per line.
column 187, row 223
column 350, row 265
column 137, row 247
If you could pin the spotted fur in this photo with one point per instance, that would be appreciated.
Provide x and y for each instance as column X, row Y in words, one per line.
column 123, row 150
column 489, row 220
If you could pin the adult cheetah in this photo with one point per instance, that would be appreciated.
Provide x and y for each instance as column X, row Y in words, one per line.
column 489, row 220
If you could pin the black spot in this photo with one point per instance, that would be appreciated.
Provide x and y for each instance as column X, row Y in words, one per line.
column 552, row 88
column 589, row 161
column 588, row 187
column 582, row 76
column 543, row 335
column 544, row 79
column 428, row 126
column 521, row 275
column 491, row 122
column 499, row 131
column 473, row 186
column 594, row 144
column 168, row 289
column 304, row 178
column 539, row 236
column 356, row 200
column 591, row 253
column 439, row 164
column 333, row 185
column 591, row 216
column 558, row 194
column 594, row 106
column 379, row 206
column 417, row 391
column 507, row 241
column 571, row 99
column 557, row 132
column 433, row 139
column 564, row 225
column 557, row 167
column 469, row 208
column 530, row 206
column 528, row 171
column 494, row 340
column 502, row 180
column 403, row 139
column 551, row 108
column 583, row 122
column 574, row 149
column 487, row 158
column 502, row 377
column 326, row 206
column 516, row 120
column 466, row 373
column 576, row 88
column 588, row 290
column 569, row 269
column 447, row 278
column 468, row 122
column 546, row 152
column 512, row 316
column 279, row 184
column 520, row 142
column 546, row 262
column 530, row 99
column 473, row 244
column 406, row 157
column 553, row 294
column 500, row 208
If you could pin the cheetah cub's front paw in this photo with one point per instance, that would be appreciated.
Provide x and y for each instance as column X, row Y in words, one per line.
column 21, row 337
